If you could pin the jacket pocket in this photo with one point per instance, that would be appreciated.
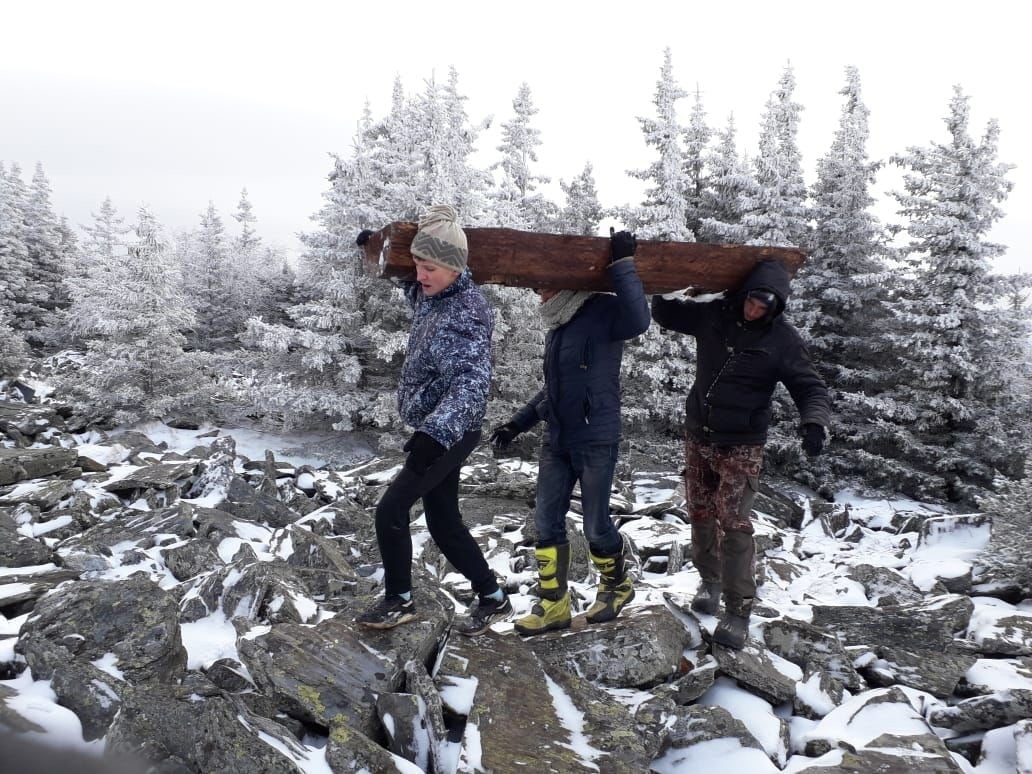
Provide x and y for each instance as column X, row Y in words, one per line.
column 588, row 405
column 586, row 354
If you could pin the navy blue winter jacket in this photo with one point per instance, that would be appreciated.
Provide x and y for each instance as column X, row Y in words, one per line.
column 581, row 397
column 739, row 363
column 447, row 371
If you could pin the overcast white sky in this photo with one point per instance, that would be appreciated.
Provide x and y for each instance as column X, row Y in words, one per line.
column 176, row 104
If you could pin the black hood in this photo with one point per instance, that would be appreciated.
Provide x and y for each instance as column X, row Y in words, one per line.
column 767, row 275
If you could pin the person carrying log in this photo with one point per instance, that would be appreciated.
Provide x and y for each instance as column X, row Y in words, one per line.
column 581, row 404
column 442, row 394
column 744, row 347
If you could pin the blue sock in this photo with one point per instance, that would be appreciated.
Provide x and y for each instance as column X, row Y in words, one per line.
column 406, row 596
column 497, row 595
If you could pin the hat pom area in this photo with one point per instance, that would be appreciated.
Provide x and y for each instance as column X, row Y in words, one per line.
column 439, row 213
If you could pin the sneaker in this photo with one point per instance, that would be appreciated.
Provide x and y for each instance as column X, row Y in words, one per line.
column 484, row 612
column 388, row 612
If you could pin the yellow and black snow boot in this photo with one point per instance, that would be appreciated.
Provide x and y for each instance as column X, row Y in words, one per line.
column 615, row 586
column 552, row 610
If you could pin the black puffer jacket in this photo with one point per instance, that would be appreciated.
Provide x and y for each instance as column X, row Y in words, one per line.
column 740, row 363
column 581, row 397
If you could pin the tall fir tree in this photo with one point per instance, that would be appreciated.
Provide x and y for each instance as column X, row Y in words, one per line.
column 16, row 277
column 582, row 212
column 103, row 252
column 248, row 239
column 13, row 353
column 132, row 315
column 776, row 214
column 663, row 214
column 696, row 143
column 731, row 185
column 255, row 268
column 948, row 416
column 514, row 202
column 106, row 237
column 332, row 362
column 840, row 293
column 49, row 254
column 657, row 371
column 212, row 280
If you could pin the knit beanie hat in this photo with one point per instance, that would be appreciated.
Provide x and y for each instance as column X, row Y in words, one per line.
column 440, row 240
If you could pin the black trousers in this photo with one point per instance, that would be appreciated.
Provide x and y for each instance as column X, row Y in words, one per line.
column 438, row 487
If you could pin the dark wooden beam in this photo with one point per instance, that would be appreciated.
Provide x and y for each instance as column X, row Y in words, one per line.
column 524, row 259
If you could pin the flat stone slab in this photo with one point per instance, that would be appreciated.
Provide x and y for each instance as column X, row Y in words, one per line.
column 22, row 464
column 518, row 715
column 164, row 475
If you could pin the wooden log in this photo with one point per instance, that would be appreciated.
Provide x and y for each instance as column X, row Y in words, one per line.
column 525, row 259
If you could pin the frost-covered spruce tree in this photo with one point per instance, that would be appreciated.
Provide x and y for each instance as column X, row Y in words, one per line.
column 106, row 237
column 103, row 250
column 334, row 362
column 514, row 202
column 444, row 140
column 776, row 214
column 244, row 215
column 470, row 181
column 309, row 371
column 660, row 365
column 255, row 267
column 840, row 294
column 582, row 211
column 663, row 214
column 696, row 143
column 40, row 273
column 15, row 279
column 13, row 353
column 212, row 282
column 948, row 417
column 134, row 313
column 731, row 185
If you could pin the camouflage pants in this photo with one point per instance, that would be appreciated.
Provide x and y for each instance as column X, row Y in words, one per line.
column 721, row 483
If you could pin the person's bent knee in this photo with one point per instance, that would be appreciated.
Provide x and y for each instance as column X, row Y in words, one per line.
column 390, row 515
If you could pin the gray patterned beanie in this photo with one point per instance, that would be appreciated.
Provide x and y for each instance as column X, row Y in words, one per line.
column 440, row 239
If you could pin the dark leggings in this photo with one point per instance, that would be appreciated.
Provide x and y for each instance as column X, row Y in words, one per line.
column 438, row 487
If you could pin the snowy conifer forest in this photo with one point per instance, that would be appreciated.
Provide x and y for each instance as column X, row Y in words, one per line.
column 116, row 335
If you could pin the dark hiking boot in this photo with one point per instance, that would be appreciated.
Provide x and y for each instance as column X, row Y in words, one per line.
column 615, row 586
column 388, row 612
column 484, row 612
column 707, row 598
column 552, row 610
column 733, row 629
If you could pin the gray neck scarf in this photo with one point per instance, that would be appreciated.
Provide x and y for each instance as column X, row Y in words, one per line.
column 560, row 308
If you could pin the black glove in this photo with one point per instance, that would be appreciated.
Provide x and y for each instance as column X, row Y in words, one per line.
column 813, row 438
column 423, row 452
column 503, row 435
column 622, row 244
column 363, row 236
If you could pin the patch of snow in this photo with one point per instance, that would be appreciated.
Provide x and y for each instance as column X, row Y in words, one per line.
column 209, row 639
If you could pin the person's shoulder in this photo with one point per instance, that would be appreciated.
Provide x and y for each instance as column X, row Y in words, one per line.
column 787, row 330
column 471, row 307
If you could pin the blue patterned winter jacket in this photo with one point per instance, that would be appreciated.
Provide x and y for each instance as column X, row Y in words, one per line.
column 447, row 371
